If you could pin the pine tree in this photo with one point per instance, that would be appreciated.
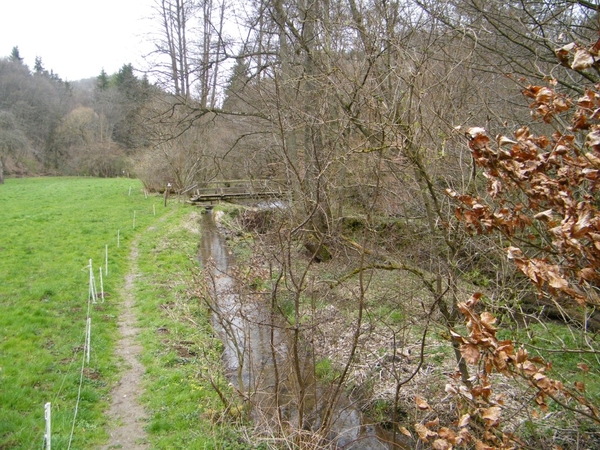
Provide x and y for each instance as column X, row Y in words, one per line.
column 15, row 56
column 38, row 67
column 102, row 81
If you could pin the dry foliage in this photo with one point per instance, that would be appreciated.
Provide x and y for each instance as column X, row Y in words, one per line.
column 542, row 196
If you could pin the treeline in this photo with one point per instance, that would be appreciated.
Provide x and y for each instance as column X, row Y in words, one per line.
column 51, row 126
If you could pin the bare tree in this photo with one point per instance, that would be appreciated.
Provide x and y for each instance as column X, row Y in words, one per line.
column 12, row 140
column 174, row 17
column 190, row 48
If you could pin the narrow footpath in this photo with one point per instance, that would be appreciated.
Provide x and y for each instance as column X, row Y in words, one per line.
column 127, row 416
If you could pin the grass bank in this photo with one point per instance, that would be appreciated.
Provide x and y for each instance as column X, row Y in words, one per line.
column 181, row 356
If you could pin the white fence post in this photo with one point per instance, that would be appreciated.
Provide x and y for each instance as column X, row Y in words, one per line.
column 101, row 286
column 48, row 433
column 88, row 335
column 93, row 290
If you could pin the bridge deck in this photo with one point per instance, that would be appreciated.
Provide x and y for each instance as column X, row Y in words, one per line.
column 238, row 190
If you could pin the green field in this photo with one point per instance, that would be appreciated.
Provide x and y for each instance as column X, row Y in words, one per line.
column 49, row 230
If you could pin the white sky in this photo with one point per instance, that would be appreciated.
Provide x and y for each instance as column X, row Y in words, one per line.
column 77, row 38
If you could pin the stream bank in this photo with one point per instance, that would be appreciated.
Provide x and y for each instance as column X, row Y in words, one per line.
column 258, row 357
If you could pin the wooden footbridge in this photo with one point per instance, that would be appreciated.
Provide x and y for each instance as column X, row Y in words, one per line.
column 232, row 190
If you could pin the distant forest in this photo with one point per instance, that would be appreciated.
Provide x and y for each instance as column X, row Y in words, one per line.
column 308, row 84
column 85, row 127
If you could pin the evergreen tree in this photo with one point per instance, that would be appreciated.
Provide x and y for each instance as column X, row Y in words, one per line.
column 15, row 56
column 38, row 67
column 126, row 81
column 102, row 81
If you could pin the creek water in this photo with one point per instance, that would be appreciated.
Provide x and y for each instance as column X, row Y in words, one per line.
column 258, row 361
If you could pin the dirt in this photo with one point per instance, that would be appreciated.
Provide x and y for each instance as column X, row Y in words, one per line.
column 127, row 416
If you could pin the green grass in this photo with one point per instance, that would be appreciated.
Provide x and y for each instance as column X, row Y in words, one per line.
column 567, row 349
column 49, row 229
column 181, row 354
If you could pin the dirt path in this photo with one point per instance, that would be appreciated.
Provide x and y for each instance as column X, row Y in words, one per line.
column 126, row 415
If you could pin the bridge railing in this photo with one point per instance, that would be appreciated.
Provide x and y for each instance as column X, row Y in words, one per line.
column 240, row 188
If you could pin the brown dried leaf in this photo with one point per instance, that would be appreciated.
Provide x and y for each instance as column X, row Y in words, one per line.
column 421, row 403
column 554, row 278
column 561, row 104
column 447, row 433
column 522, row 355
column 584, row 367
column 593, row 140
column 588, row 274
column 488, row 320
column 464, row 420
column 503, row 140
column 433, row 423
column 474, row 299
column 542, row 381
column 582, row 60
column 470, row 353
column 514, row 253
column 464, row 436
column 450, row 389
column 424, row 432
column 563, row 53
column 544, row 215
column 477, row 138
column 441, row 444
column 543, row 95
column 404, row 431
column 492, row 414
column 481, row 446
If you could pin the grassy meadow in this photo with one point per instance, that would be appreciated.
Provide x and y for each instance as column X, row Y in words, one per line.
column 49, row 230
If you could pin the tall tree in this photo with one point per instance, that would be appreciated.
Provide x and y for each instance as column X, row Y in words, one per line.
column 15, row 55
column 188, row 63
column 38, row 66
column 12, row 140
column 174, row 17
column 520, row 37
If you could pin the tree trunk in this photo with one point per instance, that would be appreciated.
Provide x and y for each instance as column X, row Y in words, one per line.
column 1, row 172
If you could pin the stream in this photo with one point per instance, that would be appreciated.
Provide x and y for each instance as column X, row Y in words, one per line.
column 257, row 360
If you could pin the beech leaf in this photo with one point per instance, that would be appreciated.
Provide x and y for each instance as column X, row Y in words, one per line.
column 464, row 420
column 514, row 253
column 477, row 138
column 492, row 414
column 488, row 320
column 544, row 215
column 503, row 140
column 424, row 432
column 470, row 353
column 404, row 431
column 593, row 140
column 582, row 60
column 441, row 444
column 584, row 367
column 421, row 403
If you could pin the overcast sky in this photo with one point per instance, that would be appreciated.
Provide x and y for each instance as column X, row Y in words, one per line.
column 76, row 38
